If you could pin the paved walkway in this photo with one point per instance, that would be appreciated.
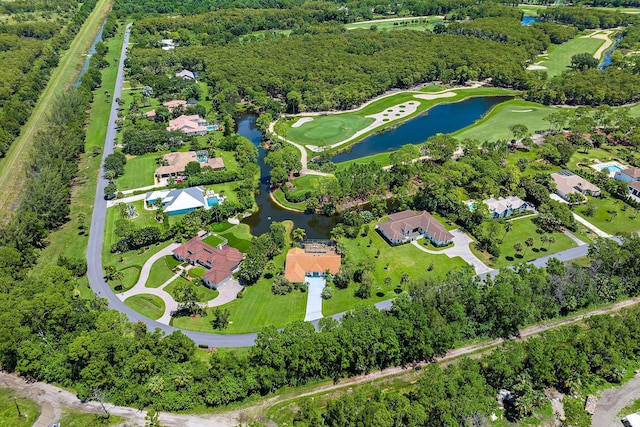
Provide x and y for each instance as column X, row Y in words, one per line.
column 460, row 248
column 574, row 238
column 314, row 298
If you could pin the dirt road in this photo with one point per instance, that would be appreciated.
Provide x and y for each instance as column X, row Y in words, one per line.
column 59, row 398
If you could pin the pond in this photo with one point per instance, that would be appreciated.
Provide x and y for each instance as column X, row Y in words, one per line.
column 528, row 20
column 440, row 119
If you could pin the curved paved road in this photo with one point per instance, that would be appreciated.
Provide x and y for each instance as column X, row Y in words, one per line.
column 94, row 252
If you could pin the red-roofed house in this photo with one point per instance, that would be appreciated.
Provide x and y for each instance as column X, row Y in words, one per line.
column 407, row 225
column 628, row 175
column 191, row 125
column 300, row 264
column 220, row 262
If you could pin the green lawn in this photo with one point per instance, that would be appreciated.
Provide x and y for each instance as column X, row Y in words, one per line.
column 213, row 240
column 82, row 419
column 523, row 229
column 198, row 271
column 9, row 413
column 257, row 308
column 612, row 216
column 148, row 305
column 400, row 259
column 327, row 130
column 238, row 237
column 138, row 172
column 203, row 293
column 279, row 196
column 418, row 23
column 332, row 128
column 67, row 241
column 161, row 271
column 495, row 125
column 130, row 277
column 530, row 9
column 558, row 58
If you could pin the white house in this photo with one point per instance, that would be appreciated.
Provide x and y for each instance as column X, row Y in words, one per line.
column 176, row 202
column 188, row 75
column 503, row 207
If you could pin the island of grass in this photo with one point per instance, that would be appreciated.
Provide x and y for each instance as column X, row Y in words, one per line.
column 334, row 130
column 148, row 305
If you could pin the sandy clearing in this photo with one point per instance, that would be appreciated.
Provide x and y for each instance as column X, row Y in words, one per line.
column 301, row 121
column 430, row 96
column 536, row 67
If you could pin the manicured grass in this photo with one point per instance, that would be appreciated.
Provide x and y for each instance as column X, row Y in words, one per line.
column 418, row 23
column 523, row 229
column 195, row 272
column 585, row 158
column 530, row 9
column 559, row 56
column 130, row 277
column 9, row 413
column 150, row 306
column 213, row 240
column 67, row 241
column 612, row 216
column 495, row 125
column 161, row 271
column 203, row 293
column 238, row 237
column 394, row 261
column 138, row 172
column 327, row 130
column 320, row 136
column 279, row 196
column 12, row 166
column 145, row 218
column 82, row 419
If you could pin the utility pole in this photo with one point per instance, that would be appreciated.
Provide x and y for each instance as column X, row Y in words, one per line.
column 15, row 400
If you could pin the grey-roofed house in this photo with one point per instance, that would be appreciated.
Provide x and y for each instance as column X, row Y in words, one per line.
column 176, row 202
column 407, row 225
column 568, row 183
column 188, row 75
column 503, row 207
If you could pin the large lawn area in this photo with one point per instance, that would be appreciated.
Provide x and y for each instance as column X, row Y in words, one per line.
column 9, row 414
column 161, row 271
column 203, row 293
column 558, row 57
column 419, row 23
column 332, row 128
column 257, row 308
column 612, row 216
column 495, row 125
column 238, row 237
column 138, row 172
column 394, row 261
column 327, row 130
column 150, row 306
column 523, row 229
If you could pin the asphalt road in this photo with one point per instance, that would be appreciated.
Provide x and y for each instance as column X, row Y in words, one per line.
column 94, row 252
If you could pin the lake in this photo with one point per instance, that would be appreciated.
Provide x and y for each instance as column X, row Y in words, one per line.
column 444, row 118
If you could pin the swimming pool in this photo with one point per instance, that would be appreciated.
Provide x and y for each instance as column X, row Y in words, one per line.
column 612, row 167
column 212, row 201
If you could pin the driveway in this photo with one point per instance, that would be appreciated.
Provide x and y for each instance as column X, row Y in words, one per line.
column 227, row 293
column 579, row 219
column 613, row 400
column 314, row 298
column 460, row 248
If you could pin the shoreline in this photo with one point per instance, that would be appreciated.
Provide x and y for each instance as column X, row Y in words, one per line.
column 274, row 200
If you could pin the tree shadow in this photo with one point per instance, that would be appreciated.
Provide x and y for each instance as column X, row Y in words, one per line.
column 519, row 256
column 535, row 249
column 398, row 290
column 379, row 294
column 509, row 258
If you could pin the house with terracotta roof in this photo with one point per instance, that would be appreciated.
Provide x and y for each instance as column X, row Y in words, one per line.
column 568, row 183
column 301, row 264
column 628, row 175
column 220, row 262
column 175, row 103
column 192, row 125
column 407, row 225
column 503, row 207
column 174, row 164
column 634, row 189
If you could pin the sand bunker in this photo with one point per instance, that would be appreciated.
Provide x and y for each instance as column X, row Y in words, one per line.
column 536, row 67
column 430, row 96
column 301, row 121
column 521, row 111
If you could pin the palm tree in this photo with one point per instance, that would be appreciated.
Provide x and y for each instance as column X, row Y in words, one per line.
column 529, row 243
column 518, row 248
column 507, row 228
column 551, row 240
column 543, row 239
column 299, row 234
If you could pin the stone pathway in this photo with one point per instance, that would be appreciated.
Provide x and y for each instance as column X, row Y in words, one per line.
column 460, row 248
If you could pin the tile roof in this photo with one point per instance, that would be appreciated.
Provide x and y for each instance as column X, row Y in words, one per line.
column 299, row 263
column 222, row 261
column 635, row 184
column 502, row 204
column 404, row 222
column 632, row 172
column 179, row 160
column 187, row 124
column 567, row 182
column 174, row 104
